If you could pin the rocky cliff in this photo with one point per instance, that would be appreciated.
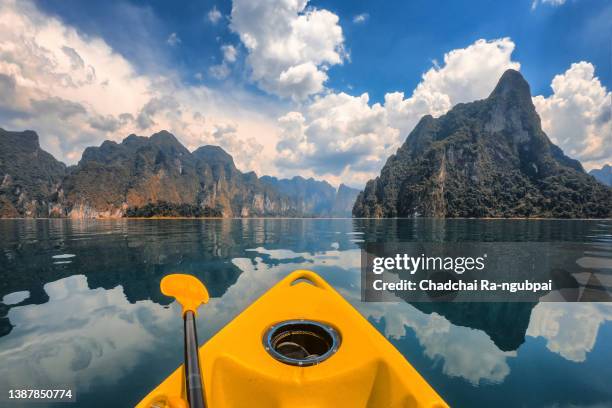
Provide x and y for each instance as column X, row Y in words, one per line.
column 144, row 176
column 488, row 158
column 30, row 177
column 115, row 177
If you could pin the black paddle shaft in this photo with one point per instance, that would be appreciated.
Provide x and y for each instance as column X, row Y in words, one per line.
column 195, row 388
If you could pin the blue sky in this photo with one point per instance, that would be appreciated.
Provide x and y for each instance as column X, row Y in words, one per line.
column 389, row 50
column 322, row 88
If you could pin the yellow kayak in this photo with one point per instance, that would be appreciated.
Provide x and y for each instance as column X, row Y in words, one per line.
column 300, row 345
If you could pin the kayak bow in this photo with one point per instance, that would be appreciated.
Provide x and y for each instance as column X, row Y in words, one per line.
column 300, row 345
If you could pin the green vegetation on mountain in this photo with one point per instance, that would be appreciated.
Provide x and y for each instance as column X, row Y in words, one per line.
column 488, row 158
column 164, row 209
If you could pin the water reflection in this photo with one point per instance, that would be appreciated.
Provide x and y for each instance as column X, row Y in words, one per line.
column 72, row 340
column 100, row 324
column 461, row 351
column 569, row 329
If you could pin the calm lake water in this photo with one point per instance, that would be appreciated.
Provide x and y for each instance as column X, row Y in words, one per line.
column 80, row 306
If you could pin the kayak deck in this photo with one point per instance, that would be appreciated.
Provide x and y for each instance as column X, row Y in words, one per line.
column 365, row 371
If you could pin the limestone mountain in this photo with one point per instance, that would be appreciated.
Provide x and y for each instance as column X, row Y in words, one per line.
column 603, row 175
column 488, row 158
column 115, row 177
column 144, row 176
column 30, row 176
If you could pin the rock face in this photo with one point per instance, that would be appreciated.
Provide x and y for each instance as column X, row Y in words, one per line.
column 488, row 158
column 603, row 175
column 30, row 177
column 113, row 178
column 145, row 176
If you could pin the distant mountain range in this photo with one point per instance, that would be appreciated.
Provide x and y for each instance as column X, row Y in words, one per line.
column 310, row 196
column 604, row 175
column 148, row 176
column 488, row 158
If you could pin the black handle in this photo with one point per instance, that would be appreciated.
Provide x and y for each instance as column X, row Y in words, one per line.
column 195, row 388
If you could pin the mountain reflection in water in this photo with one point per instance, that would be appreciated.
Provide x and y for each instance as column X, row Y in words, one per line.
column 81, row 305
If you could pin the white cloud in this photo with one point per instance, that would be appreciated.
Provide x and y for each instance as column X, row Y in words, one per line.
column 214, row 15
column 577, row 116
column 361, row 18
column 230, row 53
column 553, row 3
column 173, row 40
column 219, row 71
column 71, row 89
column 53, row 343
column 469, row 73
column 570, row 329
column 338, row 134
column 222, row 70
column 290, row 46
column 344, row 138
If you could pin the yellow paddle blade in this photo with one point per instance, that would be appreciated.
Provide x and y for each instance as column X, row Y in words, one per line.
column 187, row 289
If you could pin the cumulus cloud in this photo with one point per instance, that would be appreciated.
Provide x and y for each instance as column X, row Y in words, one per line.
column 338, row 134
column 76, row 61
column 344, row 137
column 230, row 53
column 361, row 18
column 577, row 116
column 469, row 73
column 214, row 15
column 219, row 71
column 222, row 70
column 554, row 3
column 245, row 150
column 75, row 91
column 108, row 123
column 60, row 78
column 59, row 107
column 570, row 329
column 173, row 39
column 290, row 46
column 75, row 350
column 165, row 104
column 7, row 85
